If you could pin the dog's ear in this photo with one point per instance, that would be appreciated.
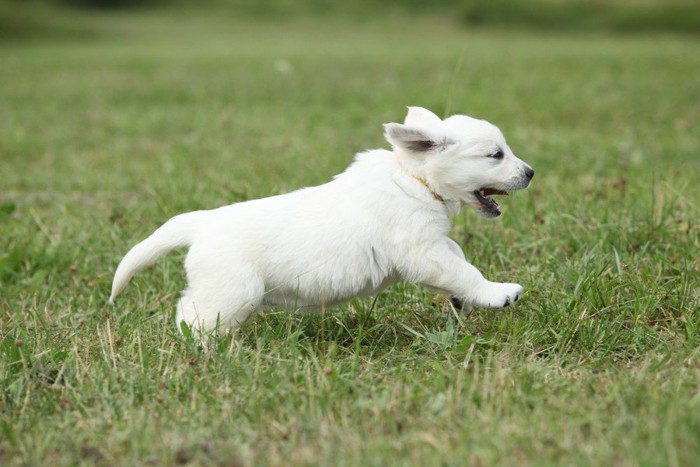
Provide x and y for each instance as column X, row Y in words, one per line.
column 415, row 139
column 421, row 117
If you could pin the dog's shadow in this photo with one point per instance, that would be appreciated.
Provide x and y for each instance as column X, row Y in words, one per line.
column 358, row 328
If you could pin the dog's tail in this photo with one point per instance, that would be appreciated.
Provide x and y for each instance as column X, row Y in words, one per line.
column 177, row 232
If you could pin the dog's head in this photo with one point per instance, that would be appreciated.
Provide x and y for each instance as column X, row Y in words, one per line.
column 460, row 157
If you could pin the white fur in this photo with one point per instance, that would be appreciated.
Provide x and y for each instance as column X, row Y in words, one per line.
column 386, row 218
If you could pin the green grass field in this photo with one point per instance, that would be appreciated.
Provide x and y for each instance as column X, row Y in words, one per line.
column 104, row 137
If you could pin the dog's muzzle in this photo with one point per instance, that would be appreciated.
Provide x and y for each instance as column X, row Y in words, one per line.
column 490, row 208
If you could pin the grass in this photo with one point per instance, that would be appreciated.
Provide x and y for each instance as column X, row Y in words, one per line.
column 102, row 140
column 621, row 16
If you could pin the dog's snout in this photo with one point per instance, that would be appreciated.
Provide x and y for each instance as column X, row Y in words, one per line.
column 529, row 173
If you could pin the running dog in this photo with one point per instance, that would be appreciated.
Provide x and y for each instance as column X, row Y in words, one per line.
column 385, row 218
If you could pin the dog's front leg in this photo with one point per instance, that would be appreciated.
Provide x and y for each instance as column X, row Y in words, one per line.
column 444, row 267
column 458, row 303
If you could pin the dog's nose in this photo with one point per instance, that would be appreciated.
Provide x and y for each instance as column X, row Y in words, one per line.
column 529, row 173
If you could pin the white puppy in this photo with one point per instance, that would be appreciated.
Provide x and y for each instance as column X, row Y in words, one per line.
column 386, row 218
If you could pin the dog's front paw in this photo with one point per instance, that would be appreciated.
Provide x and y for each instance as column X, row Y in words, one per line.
column 498, row 295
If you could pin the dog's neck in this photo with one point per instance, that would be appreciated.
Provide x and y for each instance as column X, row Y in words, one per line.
column 420, row 180
column 424, row 182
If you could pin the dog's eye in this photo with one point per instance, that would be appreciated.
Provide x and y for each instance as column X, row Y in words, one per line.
column 497, row 155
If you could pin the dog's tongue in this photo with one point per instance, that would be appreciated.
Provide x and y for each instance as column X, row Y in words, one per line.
column 491, row 191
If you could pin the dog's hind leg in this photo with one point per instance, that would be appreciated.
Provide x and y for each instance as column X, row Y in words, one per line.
column 220, row 305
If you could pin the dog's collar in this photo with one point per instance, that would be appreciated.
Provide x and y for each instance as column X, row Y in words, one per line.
column 424, row 182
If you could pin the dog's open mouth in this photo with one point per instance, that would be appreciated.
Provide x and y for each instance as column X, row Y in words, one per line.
column 487, row 205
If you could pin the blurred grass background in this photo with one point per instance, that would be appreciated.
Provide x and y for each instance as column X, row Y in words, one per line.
column 31, row 18
column 115, row 116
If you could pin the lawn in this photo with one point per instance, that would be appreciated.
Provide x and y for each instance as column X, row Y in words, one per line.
column 106, row 134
